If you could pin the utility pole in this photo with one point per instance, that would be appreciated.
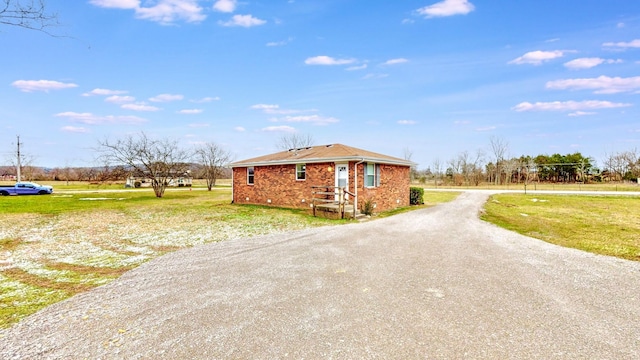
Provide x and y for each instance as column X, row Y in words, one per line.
column 19, row 165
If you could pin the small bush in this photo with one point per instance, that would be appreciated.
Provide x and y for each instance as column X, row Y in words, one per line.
column 367, row 207
column 137, row 184
column 416, row 196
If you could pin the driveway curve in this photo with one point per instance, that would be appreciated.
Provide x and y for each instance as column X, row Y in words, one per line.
column 428, row 284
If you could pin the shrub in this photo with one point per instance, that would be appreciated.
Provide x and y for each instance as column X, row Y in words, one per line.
column 137, row 184
column 367, row 207
column 416, row 196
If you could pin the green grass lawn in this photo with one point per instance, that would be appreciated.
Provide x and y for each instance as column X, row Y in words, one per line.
column 622, row 187
column 607, row 225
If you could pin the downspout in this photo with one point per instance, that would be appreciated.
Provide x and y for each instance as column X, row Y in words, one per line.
column 233, row 194
column 355, row 204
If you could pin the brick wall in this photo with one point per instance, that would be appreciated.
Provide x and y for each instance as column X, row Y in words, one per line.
column 393, row 191
column 277, row 185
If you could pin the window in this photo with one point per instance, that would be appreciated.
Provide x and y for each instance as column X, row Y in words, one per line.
column 371, row 175
column 301, row 171
column 250, row 175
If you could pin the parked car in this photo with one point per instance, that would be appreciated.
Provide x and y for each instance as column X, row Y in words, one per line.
column 26, row 188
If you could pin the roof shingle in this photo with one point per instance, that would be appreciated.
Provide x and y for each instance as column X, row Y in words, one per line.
column 321, row 153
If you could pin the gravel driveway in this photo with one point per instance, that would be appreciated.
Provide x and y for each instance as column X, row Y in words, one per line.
column 428, row 284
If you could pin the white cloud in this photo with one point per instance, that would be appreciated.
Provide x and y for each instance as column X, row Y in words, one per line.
column 226, row 6
column 239, row 129
column 118, row 99
column 581, row 113
column 162, row 11
column 116, row 4
column 169, row 11
column 205, row 100
column 375, row 76
column 587, row 63
column 190, row 111
column 166, row 98
column 623, row 45
column 395, row 61
column 264, row 106
column 601, row 85
column 407, row 122
column 567, row 105
column 280, row 43
column 275, row 109
column 282, row 128
column 244, row 21
column 327, row 60
column 354, row 68
column 41, row 85
column 140, row 107
column 313, row 119
column 537, row 57
column 447, row 8
column 74, row 129
column 104, row 92
column 91, row 119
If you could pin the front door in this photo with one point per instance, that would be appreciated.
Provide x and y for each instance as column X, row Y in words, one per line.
column 342, row 178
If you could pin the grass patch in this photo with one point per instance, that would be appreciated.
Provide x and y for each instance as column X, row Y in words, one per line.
column 607, row 225
column 622, row 187
column 9, row 244
column 18, row 300
column 431, row 198
column 19, row 275
column 85, row 201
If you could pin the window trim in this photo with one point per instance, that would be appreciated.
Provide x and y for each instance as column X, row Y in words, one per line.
column 375, row 175
column 251, row 175
column 301, row 169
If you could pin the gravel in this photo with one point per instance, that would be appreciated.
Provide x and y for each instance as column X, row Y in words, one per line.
column 434, row 283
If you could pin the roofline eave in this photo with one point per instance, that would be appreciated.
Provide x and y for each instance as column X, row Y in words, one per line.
column 321, row 160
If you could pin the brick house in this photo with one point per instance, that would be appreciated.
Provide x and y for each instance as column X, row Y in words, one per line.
column 288, row 178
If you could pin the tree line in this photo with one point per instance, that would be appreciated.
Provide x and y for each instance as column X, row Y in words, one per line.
column 158, row 160
column 493, row 166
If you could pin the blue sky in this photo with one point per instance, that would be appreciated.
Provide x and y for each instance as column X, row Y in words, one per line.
column 436, row 78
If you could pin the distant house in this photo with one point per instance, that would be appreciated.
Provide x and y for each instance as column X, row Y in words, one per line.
column 175, row 179
column 294, row 177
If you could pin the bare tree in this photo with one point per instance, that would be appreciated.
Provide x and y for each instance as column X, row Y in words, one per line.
column 295, row 141
column 159, row 160
column 437, row 170
column 407, row 155
column 632, row 160
column 476, row 167
column 498, row 147
column 212, row 158
column 28, row 14
column 510, row 166
column 455, row 170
